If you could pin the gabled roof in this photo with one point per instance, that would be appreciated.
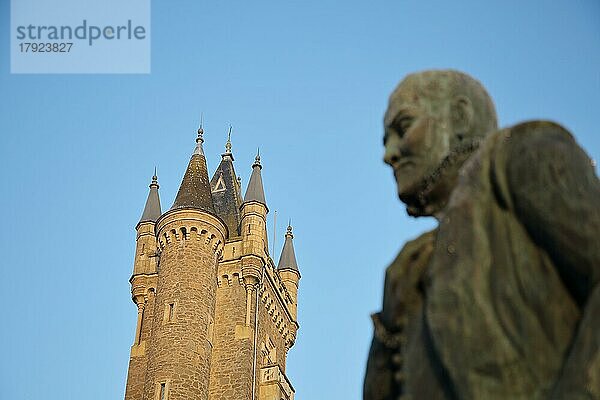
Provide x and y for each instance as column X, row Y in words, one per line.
column 226, row 192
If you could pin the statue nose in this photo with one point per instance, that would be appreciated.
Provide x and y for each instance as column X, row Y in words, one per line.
column 392, row 151
column 390, row 156
column 395, row 149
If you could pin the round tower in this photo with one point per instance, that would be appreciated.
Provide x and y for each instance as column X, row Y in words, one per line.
column 144, row 264
column 190, row 239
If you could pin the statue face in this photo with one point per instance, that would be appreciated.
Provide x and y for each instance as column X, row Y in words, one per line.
column 417, row 137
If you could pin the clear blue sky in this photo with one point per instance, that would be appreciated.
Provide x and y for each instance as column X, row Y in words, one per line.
column 308, row 83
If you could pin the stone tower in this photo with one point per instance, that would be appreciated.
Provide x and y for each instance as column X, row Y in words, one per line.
column 216, row 316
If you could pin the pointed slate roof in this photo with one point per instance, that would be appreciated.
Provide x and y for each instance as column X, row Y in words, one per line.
column 194, row 191
column 226, row 192
column 152, row 209
column 255, row 191
column 288, row 256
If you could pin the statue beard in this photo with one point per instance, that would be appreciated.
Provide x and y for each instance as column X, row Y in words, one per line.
column 435, row 188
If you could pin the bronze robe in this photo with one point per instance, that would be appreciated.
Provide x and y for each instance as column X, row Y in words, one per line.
column 502, row 301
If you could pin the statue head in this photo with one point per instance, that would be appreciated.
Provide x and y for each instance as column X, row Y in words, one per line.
column 434, row 120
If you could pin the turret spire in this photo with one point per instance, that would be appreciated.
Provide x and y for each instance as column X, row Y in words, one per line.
column 255, row 191
column 194, row 191
column 288, row 256
column 152, row 209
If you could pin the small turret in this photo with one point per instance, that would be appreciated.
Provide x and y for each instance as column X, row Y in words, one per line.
column 143, row 286
column 145, row 258
column 253, row 228
column 254, row 214
column 288, row 270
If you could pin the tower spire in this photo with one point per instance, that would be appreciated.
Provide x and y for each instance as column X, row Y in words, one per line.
column 255, row 190
column 152, row 208
column 287, row 260
column 194, row 191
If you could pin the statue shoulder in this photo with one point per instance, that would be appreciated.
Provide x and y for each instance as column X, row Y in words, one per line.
column 524, row 151
column 525, row 134
column 412, row 250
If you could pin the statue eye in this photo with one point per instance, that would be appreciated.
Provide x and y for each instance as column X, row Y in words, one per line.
column 402, row 124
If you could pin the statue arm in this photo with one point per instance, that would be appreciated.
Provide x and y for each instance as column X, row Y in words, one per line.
column 554, row 191
column 401, row 297
column 379, row 380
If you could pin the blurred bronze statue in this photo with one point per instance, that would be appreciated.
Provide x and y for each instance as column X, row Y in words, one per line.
column 502, row 300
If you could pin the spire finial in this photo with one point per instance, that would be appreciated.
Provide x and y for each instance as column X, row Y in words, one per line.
column 289, row 230
column 257, row 159
column 201, row 129
column 228, row 144
column 154, row 182
column 200, row 139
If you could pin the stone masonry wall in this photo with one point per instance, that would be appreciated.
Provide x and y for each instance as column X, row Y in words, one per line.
column 231, row 372
column 268, row 328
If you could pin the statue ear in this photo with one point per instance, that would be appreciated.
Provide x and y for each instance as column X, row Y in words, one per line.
column 461, row 114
